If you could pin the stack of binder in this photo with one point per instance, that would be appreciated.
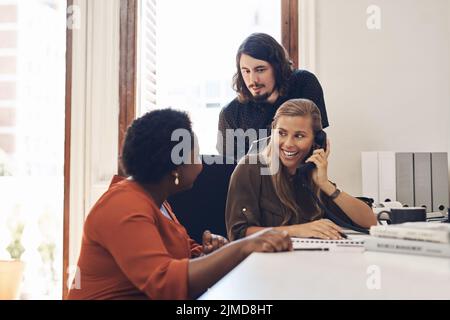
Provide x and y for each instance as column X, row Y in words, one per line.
column 415, row 179
column 420, row 238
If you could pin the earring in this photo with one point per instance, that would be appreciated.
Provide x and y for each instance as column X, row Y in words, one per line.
column 177, row 181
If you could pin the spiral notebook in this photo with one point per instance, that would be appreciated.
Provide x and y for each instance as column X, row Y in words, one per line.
column 310, row 244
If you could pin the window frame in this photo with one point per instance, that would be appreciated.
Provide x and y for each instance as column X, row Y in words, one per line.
column 128, row 69
column 289, row 29
column 128, row 57
column 67, row 154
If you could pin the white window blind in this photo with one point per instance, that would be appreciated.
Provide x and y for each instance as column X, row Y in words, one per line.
column 146, row 84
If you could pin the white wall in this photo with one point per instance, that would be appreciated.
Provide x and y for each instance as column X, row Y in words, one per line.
column 448, row 68
column 385, row 90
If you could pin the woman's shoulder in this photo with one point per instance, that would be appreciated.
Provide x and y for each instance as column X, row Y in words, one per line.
column 252, row 161
column 122, row 199
column 118, row 209
column 250, row 167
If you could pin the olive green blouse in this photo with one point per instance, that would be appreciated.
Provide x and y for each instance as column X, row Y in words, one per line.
column 252, row 201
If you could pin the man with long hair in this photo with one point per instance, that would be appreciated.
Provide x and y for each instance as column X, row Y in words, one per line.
column 264, row 79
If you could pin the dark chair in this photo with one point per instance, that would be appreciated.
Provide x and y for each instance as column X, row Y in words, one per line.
column 203, row 207
column 366, row 200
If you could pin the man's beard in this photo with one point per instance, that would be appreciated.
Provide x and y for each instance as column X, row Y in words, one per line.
column 262, row 98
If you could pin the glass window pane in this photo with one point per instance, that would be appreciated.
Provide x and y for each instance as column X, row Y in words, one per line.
column 32, row 104
column 196, row 44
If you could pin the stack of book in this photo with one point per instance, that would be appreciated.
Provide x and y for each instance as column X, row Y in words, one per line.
column 421, row 238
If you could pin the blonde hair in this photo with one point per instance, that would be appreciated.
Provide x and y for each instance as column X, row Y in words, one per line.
column 284, row 187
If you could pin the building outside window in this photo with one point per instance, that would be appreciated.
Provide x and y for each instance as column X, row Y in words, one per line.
column 32, row 105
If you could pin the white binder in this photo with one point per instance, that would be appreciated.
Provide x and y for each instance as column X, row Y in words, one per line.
column 369, row 168
column 386, row 172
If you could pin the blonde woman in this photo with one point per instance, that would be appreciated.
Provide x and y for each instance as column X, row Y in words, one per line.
column 280, row 200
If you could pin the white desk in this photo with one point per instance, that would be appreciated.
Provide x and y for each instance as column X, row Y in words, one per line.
column 334, row 275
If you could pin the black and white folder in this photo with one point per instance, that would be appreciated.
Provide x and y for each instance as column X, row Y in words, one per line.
column 439, row 180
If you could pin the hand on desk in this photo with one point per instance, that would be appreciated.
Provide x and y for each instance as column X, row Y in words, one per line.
column 322, row 229
column 212, row 242
column 268, row 240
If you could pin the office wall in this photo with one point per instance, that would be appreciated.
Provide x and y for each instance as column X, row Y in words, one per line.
column 386, row 89
column 448, row 71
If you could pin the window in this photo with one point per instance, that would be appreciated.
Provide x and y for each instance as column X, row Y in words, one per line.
column 146, row 89
column 32, row 96
column 187, row 55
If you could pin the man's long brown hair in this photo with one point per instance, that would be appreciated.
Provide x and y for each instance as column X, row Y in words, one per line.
column 261, row 46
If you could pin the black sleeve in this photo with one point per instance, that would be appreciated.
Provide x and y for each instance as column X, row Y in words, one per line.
column 222, row 127
column 313, row 91
column 337, row 211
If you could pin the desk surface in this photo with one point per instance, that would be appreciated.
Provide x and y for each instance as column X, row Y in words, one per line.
column 349, row 274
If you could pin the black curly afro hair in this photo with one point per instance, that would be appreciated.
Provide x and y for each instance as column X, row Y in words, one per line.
column 146, row 153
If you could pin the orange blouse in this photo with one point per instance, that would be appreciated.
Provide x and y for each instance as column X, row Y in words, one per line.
column 130, row 250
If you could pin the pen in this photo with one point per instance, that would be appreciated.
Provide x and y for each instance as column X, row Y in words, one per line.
column 343, row 235
column 312, row 249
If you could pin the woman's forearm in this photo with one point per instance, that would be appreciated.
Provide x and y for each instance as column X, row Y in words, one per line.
column 203, row 272
column 359, row 212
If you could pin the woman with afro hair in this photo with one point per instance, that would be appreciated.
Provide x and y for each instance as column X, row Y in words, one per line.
column 133, row 246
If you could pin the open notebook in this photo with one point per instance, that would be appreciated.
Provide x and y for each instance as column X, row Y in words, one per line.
column 309, row 244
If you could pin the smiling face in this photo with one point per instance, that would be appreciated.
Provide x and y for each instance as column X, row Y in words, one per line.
column 295, row 139
column 259, row 78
